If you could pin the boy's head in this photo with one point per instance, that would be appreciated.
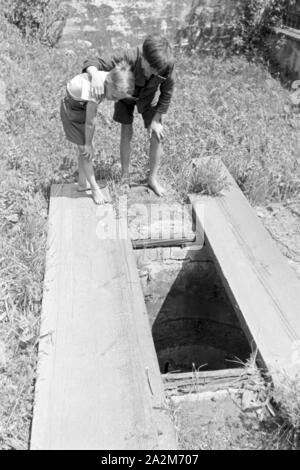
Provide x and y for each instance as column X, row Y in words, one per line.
column 119, row 83
column 158, row 57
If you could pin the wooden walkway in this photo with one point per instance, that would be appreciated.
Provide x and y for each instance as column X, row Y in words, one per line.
column 263, row 288
column 98, row 383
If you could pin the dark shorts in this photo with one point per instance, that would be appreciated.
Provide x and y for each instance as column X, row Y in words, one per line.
column 73, row 116
column 124, row 110
column 124, row 114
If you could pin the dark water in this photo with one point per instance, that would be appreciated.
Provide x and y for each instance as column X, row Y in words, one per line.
column 114, row 24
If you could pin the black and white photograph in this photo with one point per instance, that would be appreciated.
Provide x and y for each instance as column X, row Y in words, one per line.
column 149, row 228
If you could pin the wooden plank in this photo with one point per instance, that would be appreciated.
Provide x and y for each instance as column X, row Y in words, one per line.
column 98, row 383
column 263, row 288
column 155, row 221
column 182, row 243
column 288, row 32
column 206, row 375
column 195, row 382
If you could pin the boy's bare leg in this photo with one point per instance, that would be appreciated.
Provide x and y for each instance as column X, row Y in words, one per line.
column 155, row 157
column 82, row 181
column 88, row 169
column 126, row 137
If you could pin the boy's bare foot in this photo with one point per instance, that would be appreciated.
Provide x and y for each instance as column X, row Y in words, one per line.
column 83, row 187
column 98, row 196
column 156, row 187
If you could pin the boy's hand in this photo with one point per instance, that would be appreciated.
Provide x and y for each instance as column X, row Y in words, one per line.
column 87, row 152
column 97, row 86
column 157, row 127
column 97, row 83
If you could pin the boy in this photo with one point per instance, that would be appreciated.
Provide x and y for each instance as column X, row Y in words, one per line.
column 78, row 113
column 153, row 69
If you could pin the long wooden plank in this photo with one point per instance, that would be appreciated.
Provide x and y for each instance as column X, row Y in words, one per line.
column 289, row 32
column 264, row 289
column 98, row 383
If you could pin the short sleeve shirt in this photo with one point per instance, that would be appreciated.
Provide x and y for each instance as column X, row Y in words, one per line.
column 79, row 87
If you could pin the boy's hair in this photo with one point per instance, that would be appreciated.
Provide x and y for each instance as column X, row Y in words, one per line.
column 158, row 53
column 122, row 78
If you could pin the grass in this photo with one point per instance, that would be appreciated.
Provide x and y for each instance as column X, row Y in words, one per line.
column 234, row 110
column 230, row 109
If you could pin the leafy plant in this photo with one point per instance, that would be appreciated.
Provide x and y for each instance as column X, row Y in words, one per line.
column 230, row 27
column 43, row 19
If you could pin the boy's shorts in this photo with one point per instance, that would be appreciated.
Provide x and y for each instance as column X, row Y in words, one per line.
column 124, row 110
column 124, row 114
column 73, row 117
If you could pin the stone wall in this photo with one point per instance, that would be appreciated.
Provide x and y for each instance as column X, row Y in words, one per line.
column 111, row 24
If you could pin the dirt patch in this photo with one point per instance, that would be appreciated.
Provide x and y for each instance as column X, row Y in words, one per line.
column 216, row 421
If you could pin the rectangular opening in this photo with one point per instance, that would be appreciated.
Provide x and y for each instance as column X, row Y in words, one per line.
column 194, row 325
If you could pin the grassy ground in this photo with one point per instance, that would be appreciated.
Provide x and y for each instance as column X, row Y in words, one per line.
column 232, row 109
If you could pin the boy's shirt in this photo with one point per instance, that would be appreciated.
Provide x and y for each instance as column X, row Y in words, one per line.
column 144, row 88
column 79, row 87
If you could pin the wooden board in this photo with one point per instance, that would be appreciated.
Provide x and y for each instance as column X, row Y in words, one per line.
column 157, row 243
column 289, row 32
column 263, row 288
column 199, row 381
column 155, row 221
column 98, row 383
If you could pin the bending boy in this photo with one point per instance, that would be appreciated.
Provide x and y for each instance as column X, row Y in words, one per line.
column 78, row 113
column 153, row 69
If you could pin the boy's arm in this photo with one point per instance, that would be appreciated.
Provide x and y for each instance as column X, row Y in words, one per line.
column 166, row 92
column 91, row 112
column 97, row 83
column 91, row 66
column 106, row 64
